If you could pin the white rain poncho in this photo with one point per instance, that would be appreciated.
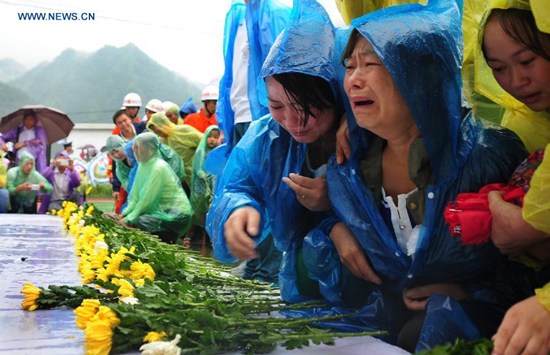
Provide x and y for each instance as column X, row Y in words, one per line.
column 157, row 201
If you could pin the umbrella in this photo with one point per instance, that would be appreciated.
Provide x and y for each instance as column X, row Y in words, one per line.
column 56, row 123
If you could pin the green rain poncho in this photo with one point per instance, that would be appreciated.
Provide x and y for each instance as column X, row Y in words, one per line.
column 122, row 169
column 184, row 139
column 16, row 177
column 157, row 201
column 202, row 182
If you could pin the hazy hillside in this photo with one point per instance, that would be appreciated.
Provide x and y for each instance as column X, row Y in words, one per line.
column 90, row 87
column 12, row 98
column 10, row 69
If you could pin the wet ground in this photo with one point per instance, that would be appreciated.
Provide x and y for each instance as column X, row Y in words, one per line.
column 33, row 249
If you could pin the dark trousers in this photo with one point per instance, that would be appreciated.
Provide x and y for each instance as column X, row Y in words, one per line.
column 16, row 206
column 266, row 266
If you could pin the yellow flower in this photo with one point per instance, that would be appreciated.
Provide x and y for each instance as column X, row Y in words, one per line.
column 154, row 336
column 125, row 288
column 90, row 210
column 142, row 270
column 99, row 337
column 105, row 313
column 85, row 312
column 32, row 294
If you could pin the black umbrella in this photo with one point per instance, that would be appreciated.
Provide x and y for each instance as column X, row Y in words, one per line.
column 56, row 123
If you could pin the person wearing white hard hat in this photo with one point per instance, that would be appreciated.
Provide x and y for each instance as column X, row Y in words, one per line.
column 132, row 104
column 206, row 117
column 153, row 106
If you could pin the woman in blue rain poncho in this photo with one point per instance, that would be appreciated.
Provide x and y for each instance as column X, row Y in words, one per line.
column 157, row 203
column 24, row 183
column 274, row 181
column 412, row 152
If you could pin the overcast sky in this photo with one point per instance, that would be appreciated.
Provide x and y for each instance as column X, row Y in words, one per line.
column 185, row 35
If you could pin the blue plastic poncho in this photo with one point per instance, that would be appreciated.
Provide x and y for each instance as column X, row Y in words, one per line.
column 265, row 19
column 188, row 107
column 157, row 201
column 421, row 48
column 267, row 153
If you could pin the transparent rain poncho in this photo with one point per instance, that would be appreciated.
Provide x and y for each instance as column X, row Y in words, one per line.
column 202, row 182
column 122, row 169
column 157, row 201
column 184, row 139
column 16, row 177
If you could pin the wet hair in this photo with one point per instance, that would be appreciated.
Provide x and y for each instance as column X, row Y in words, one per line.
column 118, row 114
column 354, row 37
column 307, row 91
column 521, row 26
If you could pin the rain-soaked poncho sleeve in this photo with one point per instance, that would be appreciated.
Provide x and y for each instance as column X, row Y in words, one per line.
column 184, row 139
column 202, row 182
column 170, row 156
column 536, row 204
column 224, row 113
column 157, row 191
column 16, row 178
column 264, row 19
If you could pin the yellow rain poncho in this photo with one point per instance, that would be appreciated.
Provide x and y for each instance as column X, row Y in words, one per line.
column 532, row 127
column 536, row 204
column 202, row 182
column 157, row 201
column 16, row 177
column 350, row 9
column 184, row 139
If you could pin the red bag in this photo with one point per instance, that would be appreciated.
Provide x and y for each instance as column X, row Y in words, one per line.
column 469, row 216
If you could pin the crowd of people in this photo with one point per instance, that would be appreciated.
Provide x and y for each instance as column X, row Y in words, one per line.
column 338, row 153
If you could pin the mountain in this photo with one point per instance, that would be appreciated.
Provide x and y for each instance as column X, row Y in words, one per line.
column 89, row 87
column 10, row 69
column 12, row 98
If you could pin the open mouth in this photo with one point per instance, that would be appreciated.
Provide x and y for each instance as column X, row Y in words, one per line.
column 363, row 103
column 531, row 98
